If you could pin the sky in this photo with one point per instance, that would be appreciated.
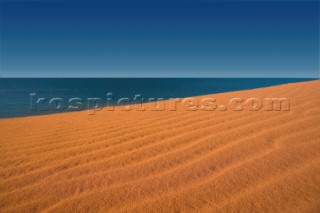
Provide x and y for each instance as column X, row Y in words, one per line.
column 159, row 38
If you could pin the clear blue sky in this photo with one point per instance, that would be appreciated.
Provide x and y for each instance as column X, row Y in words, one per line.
column 159, row 38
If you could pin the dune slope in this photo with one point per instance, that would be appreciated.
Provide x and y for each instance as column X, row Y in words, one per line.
column 166, row 161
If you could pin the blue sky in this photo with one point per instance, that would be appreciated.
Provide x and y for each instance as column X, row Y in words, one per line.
column 159, row 38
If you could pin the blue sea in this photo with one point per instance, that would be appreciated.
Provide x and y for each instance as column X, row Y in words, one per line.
column 18, row 95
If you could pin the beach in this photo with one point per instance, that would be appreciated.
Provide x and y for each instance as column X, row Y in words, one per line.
column 184, row 159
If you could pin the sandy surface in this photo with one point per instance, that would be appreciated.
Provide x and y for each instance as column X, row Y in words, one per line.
column 166, row 161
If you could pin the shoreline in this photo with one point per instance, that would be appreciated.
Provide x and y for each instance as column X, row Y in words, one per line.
column 105, row 108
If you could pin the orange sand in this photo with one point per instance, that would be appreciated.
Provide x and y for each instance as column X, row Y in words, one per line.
column 166, row 161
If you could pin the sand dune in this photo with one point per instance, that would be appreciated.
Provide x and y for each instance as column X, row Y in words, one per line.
column 167, row 161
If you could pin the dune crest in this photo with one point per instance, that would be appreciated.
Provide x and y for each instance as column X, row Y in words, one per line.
column 167, row 161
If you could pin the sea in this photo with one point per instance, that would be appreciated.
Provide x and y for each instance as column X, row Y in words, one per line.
column 21, row 97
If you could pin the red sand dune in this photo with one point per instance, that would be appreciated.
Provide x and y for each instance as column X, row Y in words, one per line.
column 167, row 161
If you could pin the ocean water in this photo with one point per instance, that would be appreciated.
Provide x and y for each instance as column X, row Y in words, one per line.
column 19, row 96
